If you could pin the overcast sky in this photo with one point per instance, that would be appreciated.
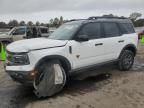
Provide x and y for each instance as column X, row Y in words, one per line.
column 43, row 10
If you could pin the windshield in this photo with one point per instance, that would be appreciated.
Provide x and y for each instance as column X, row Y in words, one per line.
column 65, row 32
column 10, row 32
column 17, row 30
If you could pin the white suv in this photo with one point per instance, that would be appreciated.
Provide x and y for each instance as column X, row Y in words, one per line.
column 24, row 32
column 46, row 63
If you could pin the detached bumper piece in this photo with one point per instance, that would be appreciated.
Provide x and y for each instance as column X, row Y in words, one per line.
column 51, row 81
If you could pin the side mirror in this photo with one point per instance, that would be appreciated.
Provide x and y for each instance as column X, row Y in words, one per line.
column 82, row 38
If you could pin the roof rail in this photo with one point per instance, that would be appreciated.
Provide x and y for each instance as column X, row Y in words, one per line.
column 106, row 17
column 75, row 20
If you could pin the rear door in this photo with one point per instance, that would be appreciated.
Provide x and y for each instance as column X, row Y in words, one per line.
column 112, row 40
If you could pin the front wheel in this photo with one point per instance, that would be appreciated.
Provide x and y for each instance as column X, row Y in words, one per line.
column 51, row 80
column 126, row 60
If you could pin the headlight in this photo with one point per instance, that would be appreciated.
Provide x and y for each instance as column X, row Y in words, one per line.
column 17, row 59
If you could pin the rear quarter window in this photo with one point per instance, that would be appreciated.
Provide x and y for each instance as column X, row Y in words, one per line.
column 127, row 28
column 44, row 30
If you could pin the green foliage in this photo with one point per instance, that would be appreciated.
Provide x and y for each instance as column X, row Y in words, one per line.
column 22, row 23
column 37, row 23
column 3, row 25
column 61, row 20
column 30, row 23
column 135, row 19
column 134, row 16
column 13, row 23
column 56, row 22
column 139, row 23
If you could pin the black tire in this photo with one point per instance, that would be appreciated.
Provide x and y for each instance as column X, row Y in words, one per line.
column 126, row 60
column 44, row 83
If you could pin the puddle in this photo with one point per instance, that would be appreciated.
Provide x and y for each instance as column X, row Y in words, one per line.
column 138, row 65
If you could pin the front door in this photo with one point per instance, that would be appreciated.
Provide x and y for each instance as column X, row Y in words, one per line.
column 19, row 34
column 86, row 53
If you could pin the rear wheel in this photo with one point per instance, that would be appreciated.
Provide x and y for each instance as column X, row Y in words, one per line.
column 126, row 60
column 51, row 79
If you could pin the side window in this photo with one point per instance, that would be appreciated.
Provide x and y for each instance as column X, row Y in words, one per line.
column 111, row 29
column 29, row 32
column 44, row 30
column 127, row 28
column 92, row 30
column 19, row 31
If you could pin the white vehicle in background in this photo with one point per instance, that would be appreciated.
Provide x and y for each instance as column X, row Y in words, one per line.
column 24, row 32
column 46, row 63
column 51, row 31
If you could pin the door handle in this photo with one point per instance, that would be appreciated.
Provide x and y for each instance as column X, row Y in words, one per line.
column 120, row 41
column 98, row 44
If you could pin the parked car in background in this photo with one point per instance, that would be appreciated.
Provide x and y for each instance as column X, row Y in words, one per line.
column 50, row 32
column 24, row 32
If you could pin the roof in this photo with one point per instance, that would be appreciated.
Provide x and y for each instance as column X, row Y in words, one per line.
column 102, row 19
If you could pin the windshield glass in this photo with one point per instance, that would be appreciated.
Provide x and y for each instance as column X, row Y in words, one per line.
column 65, row 32
column 10, row 32
column 20, row 30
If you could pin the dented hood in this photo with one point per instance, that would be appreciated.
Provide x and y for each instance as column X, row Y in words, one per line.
column 34, row 44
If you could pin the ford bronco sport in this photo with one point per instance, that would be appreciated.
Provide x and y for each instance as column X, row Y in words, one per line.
column 46, row 63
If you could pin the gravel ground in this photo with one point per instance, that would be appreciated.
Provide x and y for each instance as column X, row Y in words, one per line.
column 120, row 90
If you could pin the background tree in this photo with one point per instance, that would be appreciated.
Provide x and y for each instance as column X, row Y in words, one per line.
column 51, row 22
column 37, row 23
column 61, row 20
column 13, row 23
column 134, row 16
column 109, row 15
column 56, row 22
column 22, row 23
column 30, row 23
column 47, row 25
column 42, row 24
column 3, row 25
column 139, row 23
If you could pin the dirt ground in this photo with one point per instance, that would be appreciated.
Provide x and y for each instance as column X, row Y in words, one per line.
column 120, row 90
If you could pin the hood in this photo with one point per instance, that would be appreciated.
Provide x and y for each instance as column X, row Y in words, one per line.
column 4, row 35
column 34, row 44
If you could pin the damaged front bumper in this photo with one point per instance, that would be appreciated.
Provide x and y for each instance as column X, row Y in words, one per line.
column 24, row 74
column 25, row 77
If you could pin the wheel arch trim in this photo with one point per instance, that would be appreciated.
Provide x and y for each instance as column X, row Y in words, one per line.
column 64, row 60
column 129, row 46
